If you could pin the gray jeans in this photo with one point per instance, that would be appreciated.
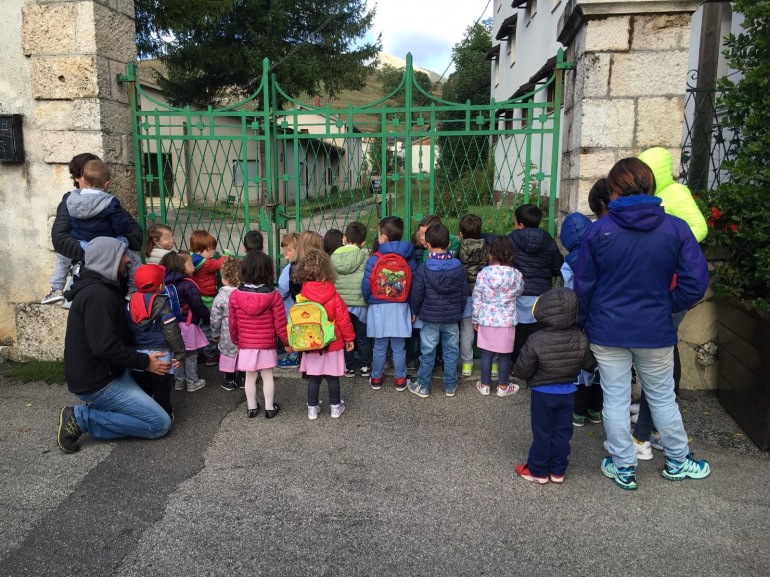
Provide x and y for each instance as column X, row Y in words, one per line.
column 467, row 334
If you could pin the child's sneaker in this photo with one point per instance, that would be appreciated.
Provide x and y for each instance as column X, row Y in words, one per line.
column 376, row 384
column 507, row 390
column 624, row 477
column 195, row 385
column 212, row 360
column 229, row 384
column 365, row 371
column 467, row 369
column 655, row 441
column 594, row 416
column 483, row 389
column 450, row 392
column 349, row 373
column 401, row 384
column 643, row 449
column 290, row 361
column 422, row 392
column 312, row 412
column 494, row 370
column 337, row 410
column 53, row 297
column 179, row 384
column 523, row 471
column 634, row 408
column 556, row 478
column 578, row 420
column 634, row 418
column 687, row 469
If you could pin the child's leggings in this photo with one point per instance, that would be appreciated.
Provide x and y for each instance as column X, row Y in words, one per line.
column 503, row 367
column 399, row 357
column 314, row 385
column 268, row 388
column 189, row 369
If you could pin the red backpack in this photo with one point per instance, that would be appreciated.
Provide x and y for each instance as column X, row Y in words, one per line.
column 391, row 278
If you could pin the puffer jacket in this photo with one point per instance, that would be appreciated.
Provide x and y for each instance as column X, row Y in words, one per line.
column 573, row 229
column 95, row 213
column 350, row 262
column 189, row 298
column 439, row 291
column 400, row 247
column 494, row 296
column 205, row 274
column 256, row 317
column 159, row 329
column 677, row 198
column 559, row 350
column 474, row 256
column 323, row 293
column 220, row 321
column 537, row 257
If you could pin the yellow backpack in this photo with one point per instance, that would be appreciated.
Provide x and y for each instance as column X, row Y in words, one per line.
column 309, row 327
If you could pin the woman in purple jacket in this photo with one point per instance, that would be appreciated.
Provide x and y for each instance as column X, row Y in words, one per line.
column 624, row 284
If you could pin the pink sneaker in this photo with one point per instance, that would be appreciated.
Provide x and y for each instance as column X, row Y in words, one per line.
column 507, row 390
column 483, row 389
column 523, row 471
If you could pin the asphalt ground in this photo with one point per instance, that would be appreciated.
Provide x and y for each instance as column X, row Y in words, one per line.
column 397, row 486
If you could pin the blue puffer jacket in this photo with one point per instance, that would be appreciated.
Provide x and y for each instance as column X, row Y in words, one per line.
column 625, row 267
column 439, row 291
column 573, row 229
column 537, row 257
column 400, row 247
column 95, row 213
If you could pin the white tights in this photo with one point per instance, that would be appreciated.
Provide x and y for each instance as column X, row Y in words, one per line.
column 268, row 388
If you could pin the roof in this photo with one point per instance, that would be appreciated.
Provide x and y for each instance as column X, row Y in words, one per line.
column 494, row 53
column 507, row 27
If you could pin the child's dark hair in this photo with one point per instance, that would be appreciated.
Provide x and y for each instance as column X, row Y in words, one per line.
column 257, row 268
column 392, row 227
column 78, row 162
column 355, row 233
column 528, row 215
column 231, row 270
column 153, row 235
column 599, row 196
column 252, row 241
column 201, row 240
column 437, row 236
column 470, row 226
column 501, row 250
column 429, row 220
column 314, row 266
column 332, row 240
column 175, row 261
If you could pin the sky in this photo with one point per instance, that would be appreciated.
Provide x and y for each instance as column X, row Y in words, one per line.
column 426, row 28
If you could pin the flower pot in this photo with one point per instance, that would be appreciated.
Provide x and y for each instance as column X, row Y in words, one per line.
column 744, row 359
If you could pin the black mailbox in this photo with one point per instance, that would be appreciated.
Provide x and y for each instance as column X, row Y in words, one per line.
column 11, row 141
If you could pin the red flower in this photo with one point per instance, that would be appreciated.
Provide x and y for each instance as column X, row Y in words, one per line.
column 716, row 214
column 732, row 228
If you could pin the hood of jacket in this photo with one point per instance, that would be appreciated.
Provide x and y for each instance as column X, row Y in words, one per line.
column 573, row 229
column 172, row 277
column 530, row 240
column 400, row 247
column 349, row 258
column 500, row 277
column 260, row 303
column 102, row 256
column 87, row 202
column 661, row 163
column 440, row 282
column 318, row 292
column 557, row 309
column 637, row 212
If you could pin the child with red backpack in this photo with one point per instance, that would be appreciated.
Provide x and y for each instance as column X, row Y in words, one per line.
column 385, row 287
column 327, row 336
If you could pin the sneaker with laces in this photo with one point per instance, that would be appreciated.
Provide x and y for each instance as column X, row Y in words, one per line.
column 483, row 389
column 624, row 477
column 558, row 479
column 69, row 431
column 312, row 412
column 337, row 410
column 467, row 369
column 594, row 416
column 450, row 391
column 422, row 392
column 229, row 385
column 494, row 370
column 507, row 390
column 523, row 471
column 687, row 469
column 53, row 297
column 290, row 361
column 179, row 384
column 401, row 384
column 376, row 384
column 578, row 420
column 195, row 385
column 643, row 449
column 365, row 371
column 655, row 441
column 349, row 373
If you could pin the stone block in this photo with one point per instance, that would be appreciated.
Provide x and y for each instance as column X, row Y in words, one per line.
column 115, row 34
column 610, row 34
column 607, row 123
column 123, row 186
column 40, row 332
column 115, row 116
column 596, row 81
column 648, row 73
column 659, row 121
column 60, row 146
column 87, row 114
column 117, row 90
column 700, row 324
column 54, row 114
column 64, row 77
column 595, row 164
column 694, row 375
column 49, row 29
column 661, row 32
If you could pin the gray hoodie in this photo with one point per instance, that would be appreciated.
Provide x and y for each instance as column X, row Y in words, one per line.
column 103, row 256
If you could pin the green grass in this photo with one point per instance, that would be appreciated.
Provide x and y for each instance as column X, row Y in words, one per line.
column 47, row 371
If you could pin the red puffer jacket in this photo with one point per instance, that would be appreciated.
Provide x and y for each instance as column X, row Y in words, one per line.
column 325, row 294
column 205, row 274
column 256, row 316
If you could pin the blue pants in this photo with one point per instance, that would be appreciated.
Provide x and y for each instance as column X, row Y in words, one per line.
column 551, row 417
column 503, row 365
column 431, row 334
column 399, row 357
column 363, row 345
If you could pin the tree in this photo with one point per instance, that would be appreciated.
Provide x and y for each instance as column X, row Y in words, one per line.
column 391, row 77
column 214, row 49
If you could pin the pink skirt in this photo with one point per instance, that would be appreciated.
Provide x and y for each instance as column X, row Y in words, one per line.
column 193, row 337
column 256, row 359
column 227, row 364
column 331, row 364
column 496, row 339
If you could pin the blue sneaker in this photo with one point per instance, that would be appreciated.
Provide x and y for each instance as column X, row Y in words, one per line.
column 414, row 387
column 687, row 469
column 290, row 361
column 624, row 477
column 450, row 392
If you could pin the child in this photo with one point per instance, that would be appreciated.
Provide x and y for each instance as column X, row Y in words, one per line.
column 179, row 269
column 316, row 274
column 257, row 318
column 494, row 315
column 388, row 321
column 159, row 242
column 349, row 262
column 549, row 361
column 588, row 397
column 332, row 240
column 439, row 293
column 252, row 241
column 153, row 323
column 220, row 323
column 308, row 240
column 474, row 255
column 289, row 250
column 427, row 222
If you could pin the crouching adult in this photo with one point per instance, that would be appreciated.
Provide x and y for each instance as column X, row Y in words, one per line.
column 99, row 356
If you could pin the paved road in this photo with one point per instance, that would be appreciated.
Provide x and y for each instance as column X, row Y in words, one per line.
column 397, row 486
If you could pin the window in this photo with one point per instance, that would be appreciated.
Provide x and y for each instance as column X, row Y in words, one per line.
column 509, row 119
column 150, row 168
column 251, row 167
column 329, row 176
column 524, row 117
column 510, row 46
column 496, row 64
column 532, row 8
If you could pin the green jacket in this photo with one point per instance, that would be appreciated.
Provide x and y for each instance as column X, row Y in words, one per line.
column 350, row 261
column 454, row 246
column 677, row 198
column 474, row 255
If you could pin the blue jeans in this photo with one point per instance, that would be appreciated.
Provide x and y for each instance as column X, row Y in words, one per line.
column 399, row 357
column 551, row 420
column 448, row 334
column 121, row 409
column 656, row 372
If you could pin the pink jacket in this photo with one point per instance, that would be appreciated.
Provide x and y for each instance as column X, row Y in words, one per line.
column 256, row 317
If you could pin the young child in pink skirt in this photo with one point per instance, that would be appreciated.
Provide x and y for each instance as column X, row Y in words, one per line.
column 256, row 318
column 315, row 273
column 494, row 315
column 220, row 323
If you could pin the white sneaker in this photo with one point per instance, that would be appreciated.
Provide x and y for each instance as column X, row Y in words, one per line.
column 634, row 418
column 507, row 390
column 655, row 441
column 337, row 410
column 643, row 450
column 483, row 389
column 634, row 408
column 312, row 412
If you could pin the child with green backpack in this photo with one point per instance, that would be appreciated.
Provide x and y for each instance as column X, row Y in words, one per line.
column 320, row 327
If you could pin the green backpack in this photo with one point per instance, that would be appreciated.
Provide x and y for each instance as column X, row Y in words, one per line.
column 309, row 327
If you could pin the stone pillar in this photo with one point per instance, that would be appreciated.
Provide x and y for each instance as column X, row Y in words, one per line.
column 627, row 91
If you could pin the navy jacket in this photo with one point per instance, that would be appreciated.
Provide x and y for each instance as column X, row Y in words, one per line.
column 439, row 291
column 537, row 257
column 626, row 265
column 189, row 298
column 400, row 247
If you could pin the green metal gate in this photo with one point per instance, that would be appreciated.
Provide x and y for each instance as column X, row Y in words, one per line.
column 298, row 166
